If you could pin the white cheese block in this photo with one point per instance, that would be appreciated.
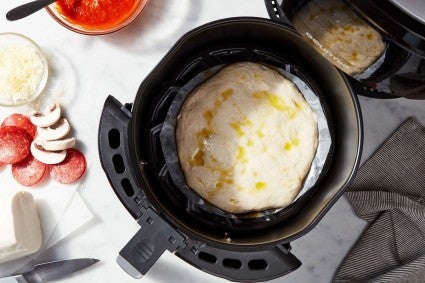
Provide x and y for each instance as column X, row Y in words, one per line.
column 20, row 232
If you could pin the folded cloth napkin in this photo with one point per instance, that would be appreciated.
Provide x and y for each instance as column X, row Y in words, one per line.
column 389, row 193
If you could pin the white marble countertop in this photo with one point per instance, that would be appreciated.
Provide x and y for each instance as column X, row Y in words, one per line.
column 87, row 69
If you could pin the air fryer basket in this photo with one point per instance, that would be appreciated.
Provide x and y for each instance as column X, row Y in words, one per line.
column 131, row 155
column 396, row 58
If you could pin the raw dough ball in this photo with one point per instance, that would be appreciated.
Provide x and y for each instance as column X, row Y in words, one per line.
column 246, row 139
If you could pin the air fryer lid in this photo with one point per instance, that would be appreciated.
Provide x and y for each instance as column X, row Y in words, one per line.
column 401, row 20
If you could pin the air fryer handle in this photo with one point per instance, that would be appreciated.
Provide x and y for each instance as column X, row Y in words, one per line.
column 116, row 158
column 276, row 13
column 150, row 242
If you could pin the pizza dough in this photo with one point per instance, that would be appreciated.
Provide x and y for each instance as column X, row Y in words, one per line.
column 246, row 139
column 339, row 35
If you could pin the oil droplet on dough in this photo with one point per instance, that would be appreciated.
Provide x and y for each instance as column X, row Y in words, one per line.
column 204, row 134
column 260, row 94
column 259, row 186
column 260, row 134
column 349, row 28
column 208, row 115
column 241, row 155
column 294, row 142
column 258, row 76
column 238, row 128
column 298, row 105
column 224, row 178
column 276, row 102
column 197, row 159
column 227, row 93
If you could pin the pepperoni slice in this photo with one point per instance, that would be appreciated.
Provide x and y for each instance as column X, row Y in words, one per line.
column 14, row 144
column 21, row 121
column 29, row 171
column 71, row 169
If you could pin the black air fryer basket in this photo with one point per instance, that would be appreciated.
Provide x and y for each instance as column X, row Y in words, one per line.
column 253, row 249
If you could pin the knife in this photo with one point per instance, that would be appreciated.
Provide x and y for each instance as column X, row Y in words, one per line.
column 50, row 271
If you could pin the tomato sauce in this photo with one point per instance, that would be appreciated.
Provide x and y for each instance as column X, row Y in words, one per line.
column 97, row 14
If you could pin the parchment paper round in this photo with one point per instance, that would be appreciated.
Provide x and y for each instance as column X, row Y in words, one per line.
column 169, row 144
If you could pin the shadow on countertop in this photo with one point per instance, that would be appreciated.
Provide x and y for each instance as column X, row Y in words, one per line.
column 158, row 26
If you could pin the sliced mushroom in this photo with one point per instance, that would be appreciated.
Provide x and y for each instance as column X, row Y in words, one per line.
column 54, row 132
column 56, row 144
column 48, row 119
column 47, row 157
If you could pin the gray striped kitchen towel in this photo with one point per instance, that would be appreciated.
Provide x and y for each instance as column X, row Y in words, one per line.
column 389, row 193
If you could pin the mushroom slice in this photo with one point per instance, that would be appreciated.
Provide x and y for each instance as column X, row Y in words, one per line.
column 47, row 119
column 54, row 132
column 47, row 157
column 56, row 144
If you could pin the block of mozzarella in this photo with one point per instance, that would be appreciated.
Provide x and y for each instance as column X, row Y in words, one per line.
column 20, row 232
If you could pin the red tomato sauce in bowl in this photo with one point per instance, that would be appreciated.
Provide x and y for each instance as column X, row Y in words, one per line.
column 96, row 15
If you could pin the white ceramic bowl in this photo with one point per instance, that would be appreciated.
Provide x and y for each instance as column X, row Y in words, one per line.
column 14, row 40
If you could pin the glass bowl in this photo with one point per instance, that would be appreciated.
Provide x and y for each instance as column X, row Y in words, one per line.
column 55, row 11
column 23, row 70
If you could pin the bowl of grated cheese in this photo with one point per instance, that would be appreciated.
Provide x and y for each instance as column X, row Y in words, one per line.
column 23, row 70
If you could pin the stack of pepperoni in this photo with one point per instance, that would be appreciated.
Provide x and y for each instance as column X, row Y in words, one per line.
column 17, row 132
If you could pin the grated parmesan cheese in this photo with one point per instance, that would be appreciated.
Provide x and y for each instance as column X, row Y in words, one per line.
column 21, row 72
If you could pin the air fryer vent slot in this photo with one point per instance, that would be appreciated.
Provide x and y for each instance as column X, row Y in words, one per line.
column 257, row 264
column 118, row 163
column 207, row 257
column 114, row 138
column 232, row 263
column 127, row 187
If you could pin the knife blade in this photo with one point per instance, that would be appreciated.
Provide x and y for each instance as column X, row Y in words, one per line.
column 50, row 271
